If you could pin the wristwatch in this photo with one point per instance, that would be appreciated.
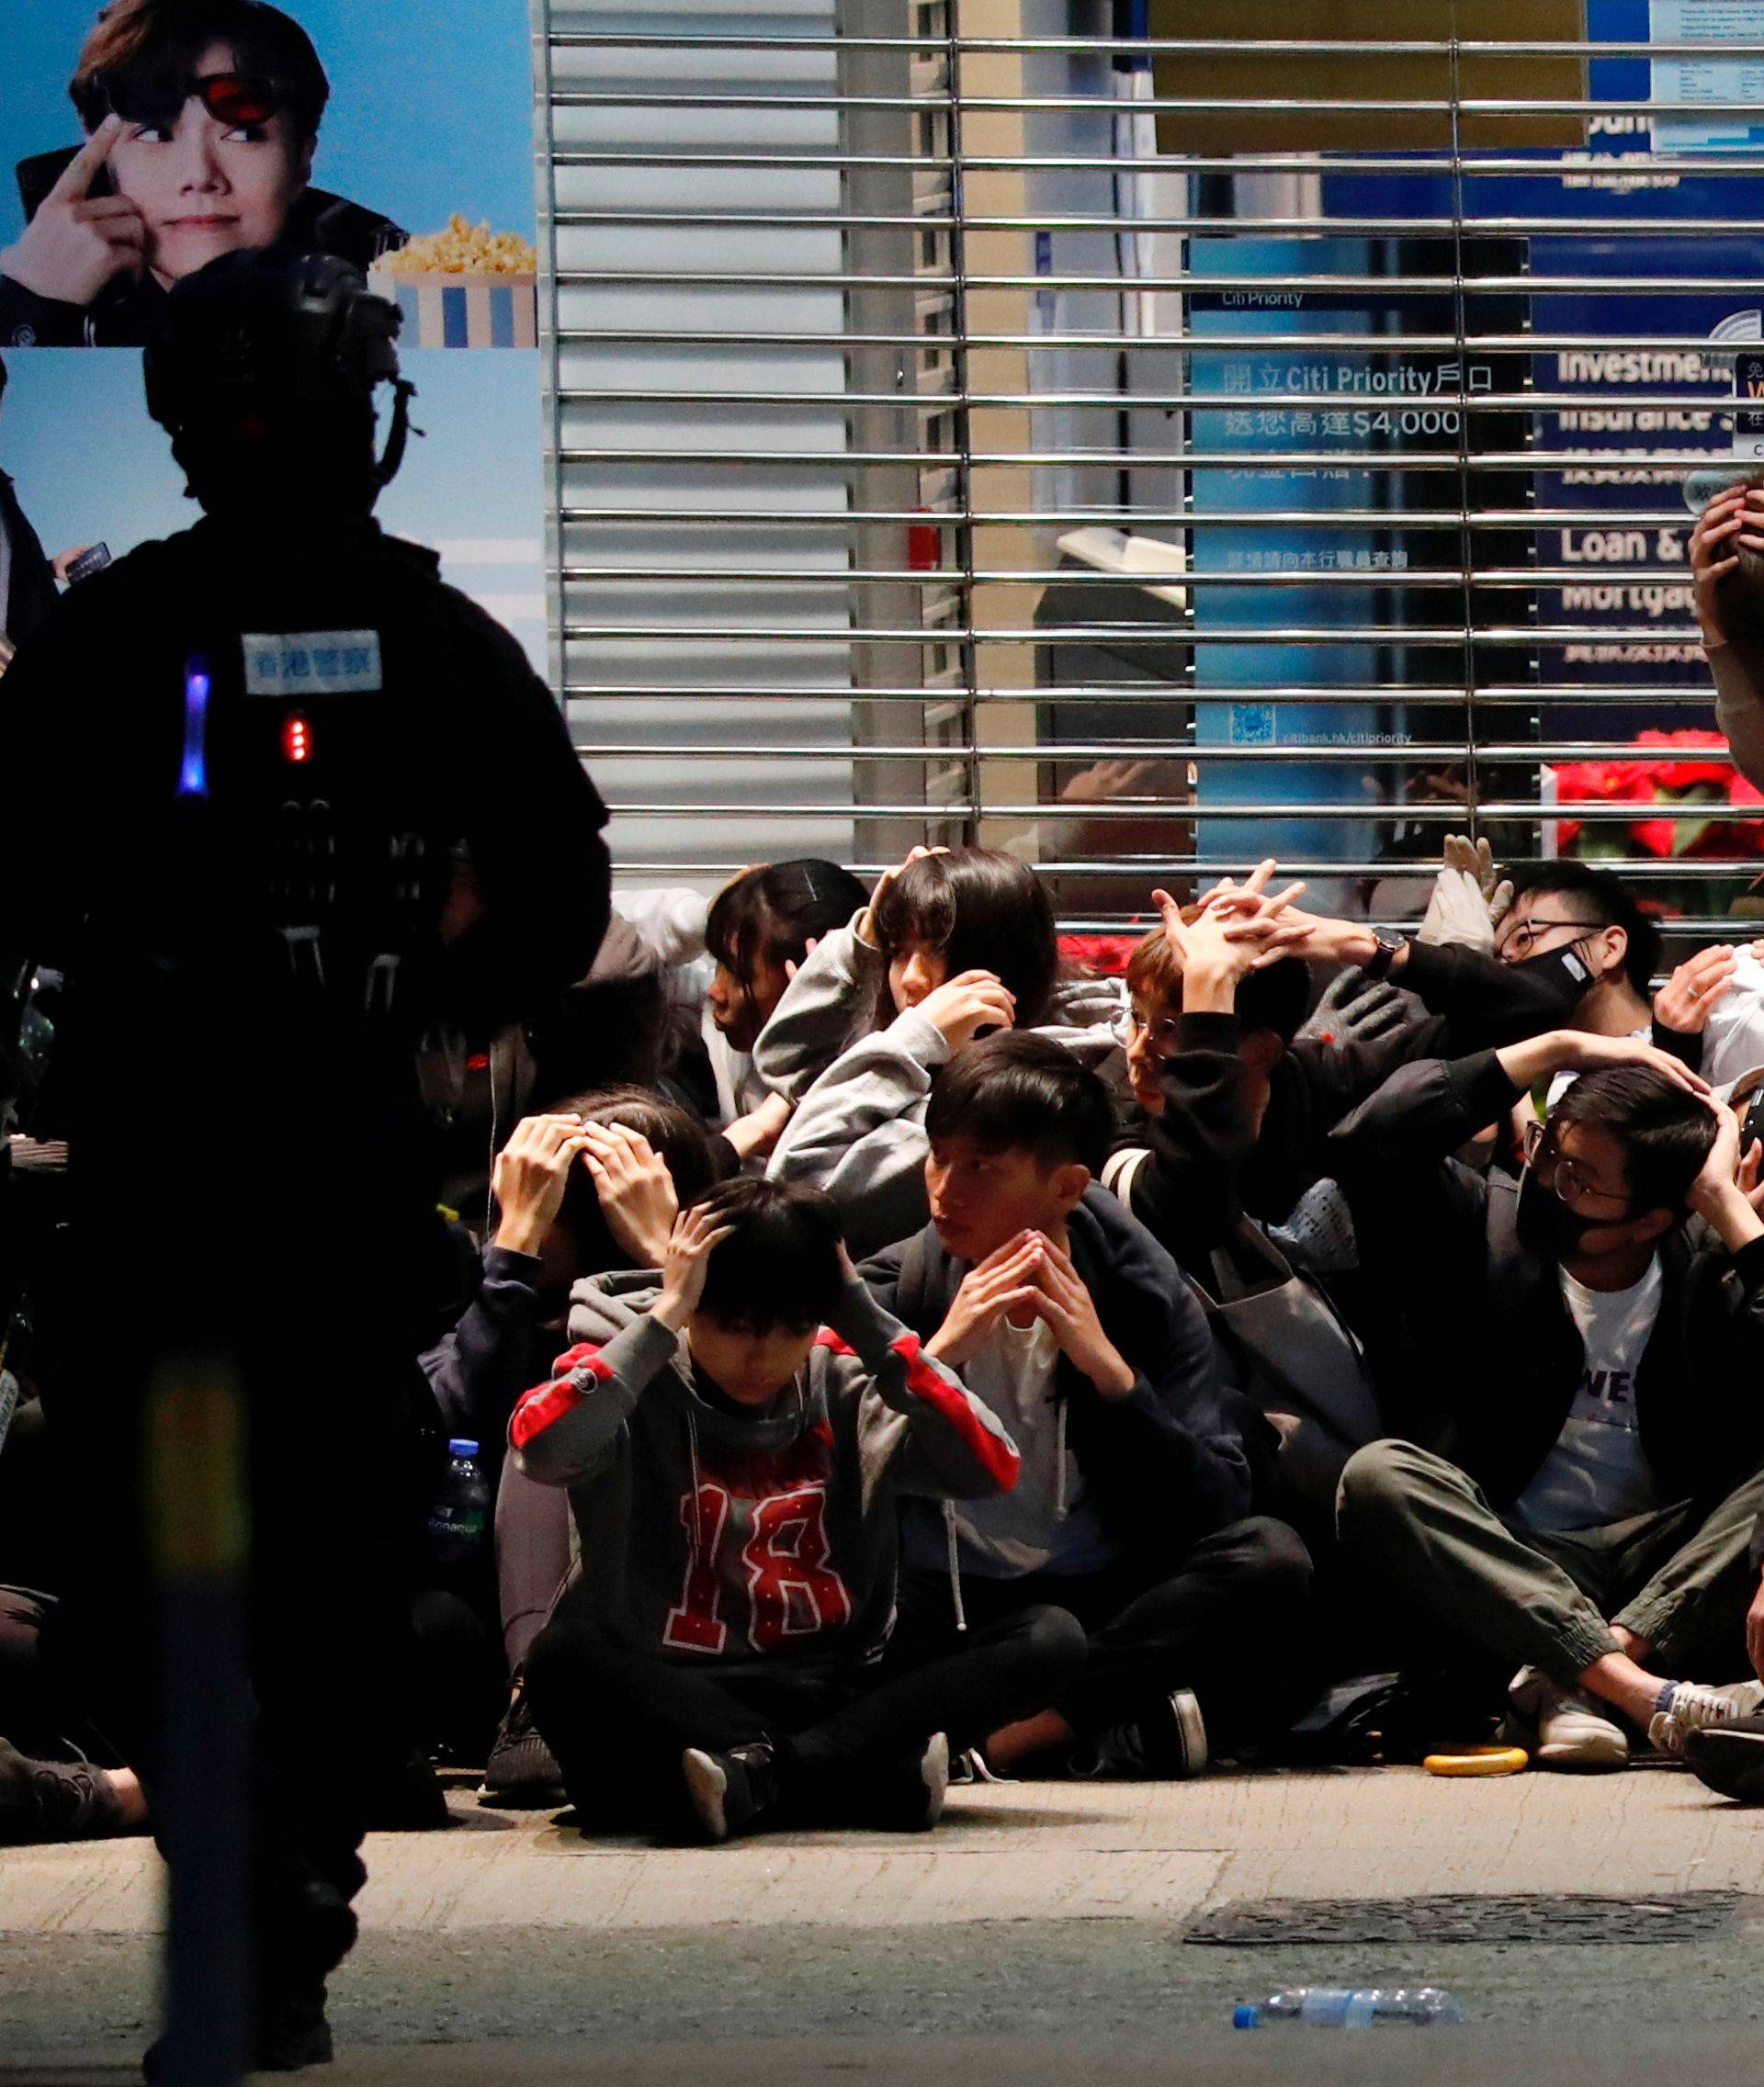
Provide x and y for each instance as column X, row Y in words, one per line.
column 1389, row 942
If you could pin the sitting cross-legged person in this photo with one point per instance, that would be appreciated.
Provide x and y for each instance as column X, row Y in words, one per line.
column 1073, row 1325
column 592, row 1185
column 735, row 1440
column 1597, row 1370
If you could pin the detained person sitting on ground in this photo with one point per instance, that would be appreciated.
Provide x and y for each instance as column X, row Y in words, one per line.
column 953, row 945
column 761, row 928
column 1230, row 1108
column 1571, row 948
column 592, row 1185
column 1591, row 1520
column 735, row 1437
column 1073, row 1324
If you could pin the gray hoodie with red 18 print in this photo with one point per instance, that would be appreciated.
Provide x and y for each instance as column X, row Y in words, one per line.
column 710, row 1532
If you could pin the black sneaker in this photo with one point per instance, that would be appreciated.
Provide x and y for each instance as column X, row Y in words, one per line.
column 1167, row 1744
column 52, row 1800
column 407, row 1798
column 1730, row 1757
column 290, row 2032
column 910, row 1800
column 522, row 1773
column 728, row 1791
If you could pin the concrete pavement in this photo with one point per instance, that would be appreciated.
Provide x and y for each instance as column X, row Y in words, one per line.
column 1040, row 1919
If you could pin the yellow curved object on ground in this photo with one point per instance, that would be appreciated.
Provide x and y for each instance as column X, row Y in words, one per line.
column 1479, row 1761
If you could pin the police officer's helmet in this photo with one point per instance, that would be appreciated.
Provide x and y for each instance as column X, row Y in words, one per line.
column 272, row 326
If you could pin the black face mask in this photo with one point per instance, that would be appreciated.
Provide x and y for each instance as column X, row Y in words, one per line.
column 1563, row 971
column 1546, row 1226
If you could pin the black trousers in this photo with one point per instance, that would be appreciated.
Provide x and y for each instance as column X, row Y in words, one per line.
column 1227, row 1623
column 225, row 1274
column 618, row 1719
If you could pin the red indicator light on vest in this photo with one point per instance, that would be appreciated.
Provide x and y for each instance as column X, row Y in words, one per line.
column 297, row 738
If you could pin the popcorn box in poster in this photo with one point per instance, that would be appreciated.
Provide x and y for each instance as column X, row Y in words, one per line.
column 462, row 310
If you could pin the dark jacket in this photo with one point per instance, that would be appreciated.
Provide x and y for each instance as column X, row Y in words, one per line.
column 31, row 591
column 107, row 869
column 1166, row 1465
column 1208, row 1164
column 1475, row 1324
column 123, row 315
column 499, row 1348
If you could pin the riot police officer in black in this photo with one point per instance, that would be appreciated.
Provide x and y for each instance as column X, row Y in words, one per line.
column 278, row 801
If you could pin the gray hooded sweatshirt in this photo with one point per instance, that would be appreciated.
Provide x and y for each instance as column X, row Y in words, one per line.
column 712, row 1533
column 859, row 1128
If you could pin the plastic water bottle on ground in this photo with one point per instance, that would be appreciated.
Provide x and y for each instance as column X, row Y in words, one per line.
column 460, row 1514
column 1351, row 2007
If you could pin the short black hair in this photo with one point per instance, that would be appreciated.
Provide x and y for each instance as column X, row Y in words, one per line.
column 1606, row 902
column 680, row 1141
column 769, row 914
column 981, row 911
column 1666, row 1130
column 1019, row 1092
column 143, row 53
column 779, row 1267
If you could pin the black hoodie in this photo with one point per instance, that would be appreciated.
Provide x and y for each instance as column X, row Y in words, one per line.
column 1163, row 1466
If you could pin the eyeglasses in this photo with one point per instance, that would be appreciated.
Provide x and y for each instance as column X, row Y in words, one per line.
column 1164, row 1034
column 233, row 99
column 1522, row 939
column 1566, row 1178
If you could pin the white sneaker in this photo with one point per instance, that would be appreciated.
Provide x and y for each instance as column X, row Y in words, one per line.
column 1574, row 1735
column 1692, row 1706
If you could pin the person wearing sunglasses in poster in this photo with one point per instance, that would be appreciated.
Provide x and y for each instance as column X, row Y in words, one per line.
column 201, row 121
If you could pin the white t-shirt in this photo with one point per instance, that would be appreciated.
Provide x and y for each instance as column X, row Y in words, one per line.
column 1043, row 1523
column 1597, row 1472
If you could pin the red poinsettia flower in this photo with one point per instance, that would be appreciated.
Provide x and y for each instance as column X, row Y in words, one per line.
column 1105, row 954
column 1686, row 772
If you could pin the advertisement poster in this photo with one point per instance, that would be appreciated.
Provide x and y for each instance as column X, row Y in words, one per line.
column 1337, row 593
column 140, row 142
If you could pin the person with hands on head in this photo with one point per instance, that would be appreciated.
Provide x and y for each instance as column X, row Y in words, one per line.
column 1232, row 1100
column 1073, row 1326
column 590, row 1186
column 735, row 1438
column 1726, row 554
column 957, row 943
column 1585, row 1510
column 761, row 927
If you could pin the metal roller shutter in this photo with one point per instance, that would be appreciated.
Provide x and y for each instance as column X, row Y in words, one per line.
column 1086, row 431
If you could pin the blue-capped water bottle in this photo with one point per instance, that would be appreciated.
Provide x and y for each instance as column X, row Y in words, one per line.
column 1350, row 2007
column 460, row 1514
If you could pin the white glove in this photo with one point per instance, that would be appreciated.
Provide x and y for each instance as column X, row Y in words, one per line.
column 1466, row 902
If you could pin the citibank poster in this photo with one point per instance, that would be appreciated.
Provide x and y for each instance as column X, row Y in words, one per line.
column 140, row 141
